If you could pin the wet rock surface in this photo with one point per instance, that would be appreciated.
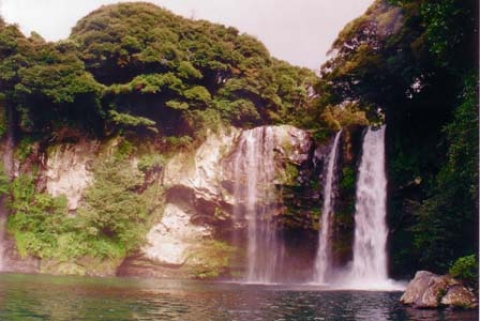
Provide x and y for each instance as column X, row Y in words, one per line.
column 428, row 290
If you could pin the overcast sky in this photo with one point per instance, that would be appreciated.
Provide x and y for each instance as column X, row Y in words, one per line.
column 299, row 31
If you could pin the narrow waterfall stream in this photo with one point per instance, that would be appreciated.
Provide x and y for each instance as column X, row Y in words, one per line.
column 256, row 203
column 323, row 259
column 369, row 268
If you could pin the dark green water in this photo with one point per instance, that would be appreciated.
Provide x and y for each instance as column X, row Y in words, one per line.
column 28, row 297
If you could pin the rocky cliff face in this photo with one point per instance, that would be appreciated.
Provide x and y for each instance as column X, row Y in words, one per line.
column 200, row 201
column 195, row 236
column 69, row 170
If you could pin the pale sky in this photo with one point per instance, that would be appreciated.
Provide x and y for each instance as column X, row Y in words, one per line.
column 298, row 31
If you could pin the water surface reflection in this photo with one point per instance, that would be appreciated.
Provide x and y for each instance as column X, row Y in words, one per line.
column 26, row 297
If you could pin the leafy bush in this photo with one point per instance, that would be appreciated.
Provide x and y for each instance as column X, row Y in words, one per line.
column 466, row 269
column 151, row 162
column 37, row 219
column 118, row 208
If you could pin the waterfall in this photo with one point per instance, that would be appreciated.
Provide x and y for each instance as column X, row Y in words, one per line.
column 323, row 260
column 256, row 203
column 369, row 251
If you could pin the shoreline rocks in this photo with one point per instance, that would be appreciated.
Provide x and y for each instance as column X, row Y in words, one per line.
column 430, row 291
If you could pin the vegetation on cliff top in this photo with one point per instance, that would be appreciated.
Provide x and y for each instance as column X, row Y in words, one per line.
column 135, row 67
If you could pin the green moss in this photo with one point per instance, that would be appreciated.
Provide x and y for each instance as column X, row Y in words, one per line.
column 211, row 259
column 291, row 173
column 4, row 182
column 24, row 148
column 22, row 240
column 151, row 162
column 348, row 179
column 125, row 148
column 82, row 266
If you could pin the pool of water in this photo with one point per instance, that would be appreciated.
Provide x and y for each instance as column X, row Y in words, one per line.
column 32, row 297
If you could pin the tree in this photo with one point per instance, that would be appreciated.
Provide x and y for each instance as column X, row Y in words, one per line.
column 409, row 63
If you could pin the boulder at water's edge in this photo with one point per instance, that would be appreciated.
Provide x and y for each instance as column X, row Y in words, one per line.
column 429, row 290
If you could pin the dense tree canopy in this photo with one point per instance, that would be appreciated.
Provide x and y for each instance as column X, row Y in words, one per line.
column 165, row 67
column 137, row 66
column 413, row 64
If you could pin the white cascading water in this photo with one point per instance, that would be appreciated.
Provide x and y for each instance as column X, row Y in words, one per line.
column 323, row 259
column 255, row 203
column 369, row 268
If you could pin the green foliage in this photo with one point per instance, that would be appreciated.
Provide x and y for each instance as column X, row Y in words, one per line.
column 175, row 104
column 450, row 27
column 179, row 143
column 3, row 117
column 413, row 65
column 186, row 71
column 197, row 93
column 151, row 162
column 135, row 68
column 162, row 67
column 24, row 148
column 37, row 218
column 202, row 122
column 126, row 120
column 348, row 179
column 119, row 207
column 4, row 182
column 46, row 84
column 466, row 269
column 448, row 220
column 291, row 173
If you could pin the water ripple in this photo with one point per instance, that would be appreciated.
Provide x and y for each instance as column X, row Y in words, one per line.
column 39, row 298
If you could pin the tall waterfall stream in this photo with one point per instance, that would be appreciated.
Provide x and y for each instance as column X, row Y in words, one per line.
column 322, row 262
column 256, row 203
column 369, row 250
column 369, row 267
